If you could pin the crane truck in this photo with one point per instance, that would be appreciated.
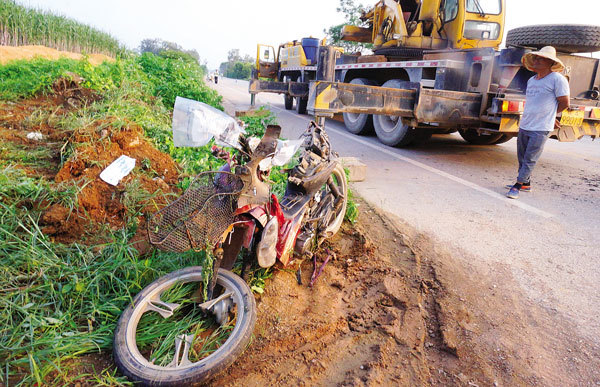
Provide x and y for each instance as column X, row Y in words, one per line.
column 437, row 67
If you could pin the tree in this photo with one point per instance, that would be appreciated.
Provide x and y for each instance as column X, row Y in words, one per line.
column 151, row 45
column 234, row 55
column 237, row 67
column 352, row 13
column 170, row 49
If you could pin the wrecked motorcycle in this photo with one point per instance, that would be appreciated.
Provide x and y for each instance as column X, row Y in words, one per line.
column 191, row 324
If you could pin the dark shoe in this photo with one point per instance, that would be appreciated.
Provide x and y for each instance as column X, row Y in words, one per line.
column 513, row 193
column 526, row 187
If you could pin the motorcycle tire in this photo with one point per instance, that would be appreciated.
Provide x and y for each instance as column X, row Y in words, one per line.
column 339, row 178
column 138, row 368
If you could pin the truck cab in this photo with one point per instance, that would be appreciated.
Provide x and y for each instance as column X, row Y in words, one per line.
column 399, row 28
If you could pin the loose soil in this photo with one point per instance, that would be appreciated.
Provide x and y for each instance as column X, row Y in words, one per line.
column 93, row 147
column 391, row 308
column 10, row 53
column 394, row 309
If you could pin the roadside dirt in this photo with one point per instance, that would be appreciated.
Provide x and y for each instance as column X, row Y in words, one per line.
column 394, row 309
column 89, row 148
column 10, row 53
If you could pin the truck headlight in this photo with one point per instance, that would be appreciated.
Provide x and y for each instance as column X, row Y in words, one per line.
column 481, row 30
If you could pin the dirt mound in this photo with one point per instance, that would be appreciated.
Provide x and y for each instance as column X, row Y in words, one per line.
column 10, row 53
column 98, row 145
column 393, row 310
column 95, row 146
column 69, row 92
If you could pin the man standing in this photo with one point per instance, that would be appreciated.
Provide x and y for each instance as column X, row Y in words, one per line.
column 547, row 94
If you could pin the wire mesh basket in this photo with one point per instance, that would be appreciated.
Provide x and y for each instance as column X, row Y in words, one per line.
column 199, row 217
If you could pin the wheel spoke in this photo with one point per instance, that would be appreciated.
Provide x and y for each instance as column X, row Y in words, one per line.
column 182, row 351
column 165, row 309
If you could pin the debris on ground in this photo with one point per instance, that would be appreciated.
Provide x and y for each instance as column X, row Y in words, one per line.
column 93, row 147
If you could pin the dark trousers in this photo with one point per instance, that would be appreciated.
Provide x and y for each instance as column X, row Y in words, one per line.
column 530, row 145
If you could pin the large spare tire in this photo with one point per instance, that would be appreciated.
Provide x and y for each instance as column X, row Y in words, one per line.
column 564, row 37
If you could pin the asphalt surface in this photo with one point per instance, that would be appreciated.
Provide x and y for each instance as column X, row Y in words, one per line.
column 549, row 239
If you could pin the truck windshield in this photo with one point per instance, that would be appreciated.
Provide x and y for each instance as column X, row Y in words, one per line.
column 484, row 6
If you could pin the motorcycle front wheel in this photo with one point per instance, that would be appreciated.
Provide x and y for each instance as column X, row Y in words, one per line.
column 168, row 337
column 337, row 182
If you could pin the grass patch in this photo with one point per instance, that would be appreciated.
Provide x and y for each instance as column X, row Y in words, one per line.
column 59, row 302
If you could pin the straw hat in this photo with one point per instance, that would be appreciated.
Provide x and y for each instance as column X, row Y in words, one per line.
column 546, row 52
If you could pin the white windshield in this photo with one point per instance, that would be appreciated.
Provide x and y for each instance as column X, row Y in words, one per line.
column 484, row 6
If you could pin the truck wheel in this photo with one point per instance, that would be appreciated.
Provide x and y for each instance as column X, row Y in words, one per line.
column 301, row 103
column 361, row 123
column 288, row 101
column 390, row 129
column 503, row 139
column 565, row 38
column 472, row 137
column 400, row 53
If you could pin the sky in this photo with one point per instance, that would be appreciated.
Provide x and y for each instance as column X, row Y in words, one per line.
column 215, row 27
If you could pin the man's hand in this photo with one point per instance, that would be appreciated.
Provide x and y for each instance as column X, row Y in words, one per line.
column 557, row 124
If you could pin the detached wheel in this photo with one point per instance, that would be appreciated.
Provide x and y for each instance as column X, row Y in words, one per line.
column 165, row 337
column 472, row 137
column 360, row 123
column 565, row 38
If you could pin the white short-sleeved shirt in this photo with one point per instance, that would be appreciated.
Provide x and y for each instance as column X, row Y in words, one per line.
column 541, row 103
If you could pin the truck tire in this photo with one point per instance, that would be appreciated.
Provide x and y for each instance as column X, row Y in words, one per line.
column 361, row 123
column 400, row 52
column 565, row 38
column 472, row 137
column 301, row 103
column 503, row 139
column 288, row 102
column 391, row 130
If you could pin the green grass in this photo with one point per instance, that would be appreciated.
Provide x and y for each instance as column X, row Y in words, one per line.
column 59, row 302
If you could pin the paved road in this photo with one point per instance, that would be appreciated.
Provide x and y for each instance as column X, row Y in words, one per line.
column 454, row 192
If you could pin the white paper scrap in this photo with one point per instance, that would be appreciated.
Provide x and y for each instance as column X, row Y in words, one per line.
column 37, row 136
column 117, row 170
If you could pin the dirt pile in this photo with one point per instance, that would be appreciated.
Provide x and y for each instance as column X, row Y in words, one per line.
column 10, row 53
column 94, row 146
column 393, row 310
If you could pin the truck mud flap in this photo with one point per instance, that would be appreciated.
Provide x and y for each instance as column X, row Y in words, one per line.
column 426, row 105
column 295, row 89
